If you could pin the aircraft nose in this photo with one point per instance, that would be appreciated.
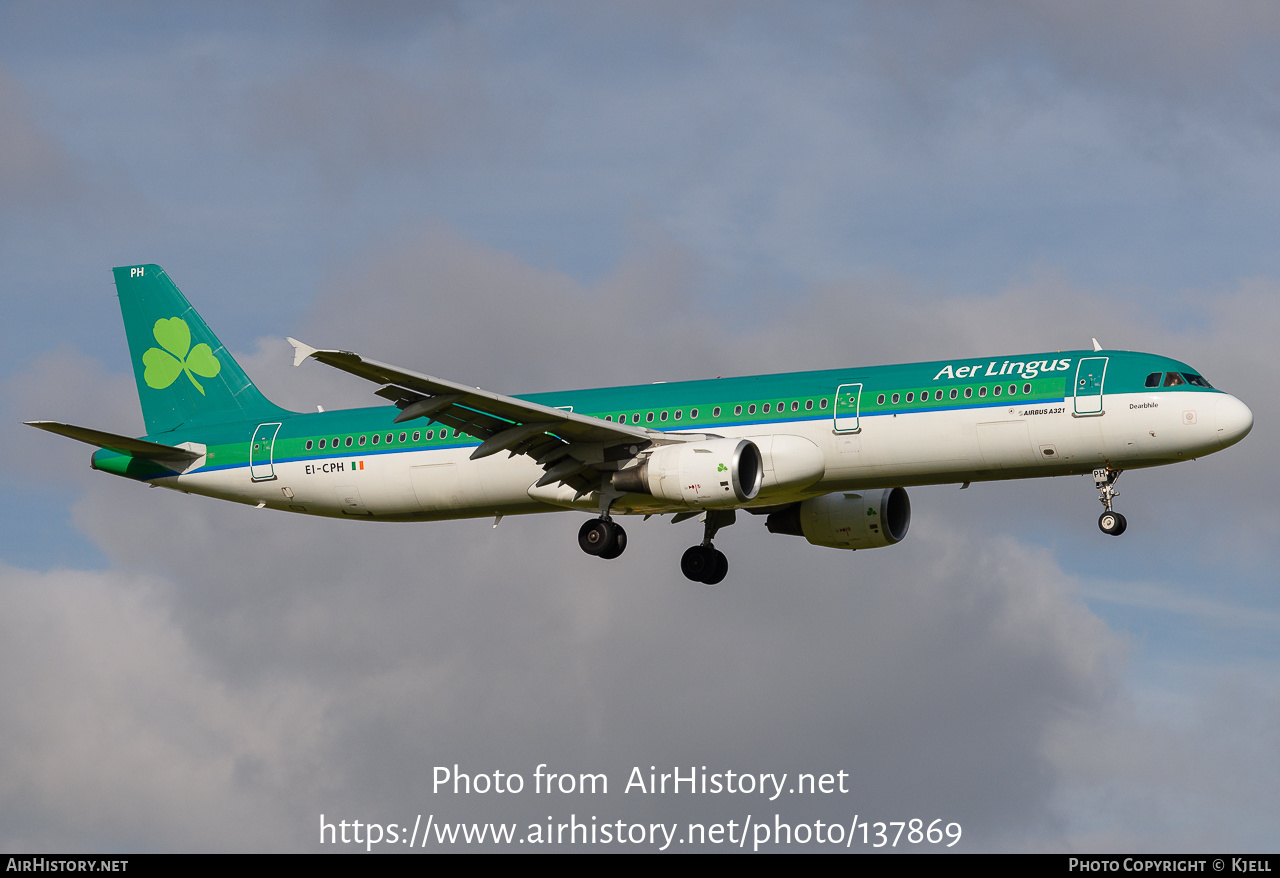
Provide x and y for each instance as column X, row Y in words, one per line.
column 1235, row 420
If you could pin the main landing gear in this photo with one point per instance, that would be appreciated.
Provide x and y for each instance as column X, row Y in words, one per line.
column 705, row 563
column 602, row 537
column 605, row 538
column 1110, row 521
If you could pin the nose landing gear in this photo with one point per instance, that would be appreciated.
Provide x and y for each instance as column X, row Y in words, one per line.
column 1109, row 522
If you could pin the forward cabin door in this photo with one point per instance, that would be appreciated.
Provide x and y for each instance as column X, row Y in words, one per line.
column 1090, row 373
column 261, row 465
column 847, row 406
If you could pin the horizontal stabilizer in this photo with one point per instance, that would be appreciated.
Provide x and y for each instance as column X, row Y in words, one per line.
column 122, row 444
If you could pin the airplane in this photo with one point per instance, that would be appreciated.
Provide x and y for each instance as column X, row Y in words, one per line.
column 825, row 455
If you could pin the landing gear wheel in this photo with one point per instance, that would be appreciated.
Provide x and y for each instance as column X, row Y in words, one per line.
column 596, row 536
column 1112, row 523
column 704, row 564
column 619, row 543
column 696, row 562
column 719, row 571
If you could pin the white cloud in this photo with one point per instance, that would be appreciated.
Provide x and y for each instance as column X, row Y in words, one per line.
column 117, row 734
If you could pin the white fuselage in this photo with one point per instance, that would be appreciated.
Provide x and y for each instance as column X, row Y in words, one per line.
column 1016, row 440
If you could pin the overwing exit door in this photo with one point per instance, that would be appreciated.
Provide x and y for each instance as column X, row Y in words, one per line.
column 847, row 406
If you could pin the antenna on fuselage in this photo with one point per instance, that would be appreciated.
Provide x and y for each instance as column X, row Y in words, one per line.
column 1096, row 346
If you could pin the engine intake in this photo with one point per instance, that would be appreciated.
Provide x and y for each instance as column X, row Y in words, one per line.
column 847, row 519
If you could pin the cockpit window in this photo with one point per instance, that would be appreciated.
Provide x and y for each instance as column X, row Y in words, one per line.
column 1173, row 379
column 1153, row 380
column 1195, row 379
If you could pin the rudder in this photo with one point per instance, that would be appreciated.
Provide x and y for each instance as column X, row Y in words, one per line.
column 183, row 372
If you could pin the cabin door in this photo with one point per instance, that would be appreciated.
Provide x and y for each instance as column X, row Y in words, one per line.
column 261, row 466
column 848, row 402
column 1089, row 375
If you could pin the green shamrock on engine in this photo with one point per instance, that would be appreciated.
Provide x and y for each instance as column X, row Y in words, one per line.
column 164, row 366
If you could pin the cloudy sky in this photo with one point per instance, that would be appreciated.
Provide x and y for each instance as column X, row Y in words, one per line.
column 540, row 196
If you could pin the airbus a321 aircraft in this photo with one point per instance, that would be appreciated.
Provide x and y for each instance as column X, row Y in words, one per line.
column 824, row 455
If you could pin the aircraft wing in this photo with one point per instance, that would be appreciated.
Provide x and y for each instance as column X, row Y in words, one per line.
column 122, row 444
column 566, row 444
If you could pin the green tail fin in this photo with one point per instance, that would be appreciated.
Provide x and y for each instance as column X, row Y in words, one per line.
column 184, row 373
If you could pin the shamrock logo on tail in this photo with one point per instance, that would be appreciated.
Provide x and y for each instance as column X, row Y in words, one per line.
column 164, row 366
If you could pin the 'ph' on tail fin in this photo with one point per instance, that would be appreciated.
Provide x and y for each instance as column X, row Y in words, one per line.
column 184, row 373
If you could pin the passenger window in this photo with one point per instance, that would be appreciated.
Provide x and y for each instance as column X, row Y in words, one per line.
column 390, row 437
column 635, row 418
column 795, row 406
column 982, row 391
column 1026, row 388
column 895, row 399
column 649, row 418
column 431, row 434
column 403, row 436
column 678, row 414
column 953, row 393
column 662, row 417
column 822, row 403
column 1013, row 390
column 880, row 399
column 1173, row 379
column 335, row 443
column 376, row 437
column 693, row 413
column 348, row 442
column 309, row 444
column 995, row 391
column 609, row 418
column 737, row 409
column 1153, row 380
column 808, row 405
column 417, row 435
column 361, row 441
column 910, row 397
column 765, row 408
column 968, row 393
column 751, row 409
column 715, row 413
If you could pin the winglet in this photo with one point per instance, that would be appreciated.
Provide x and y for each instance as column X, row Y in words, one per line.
column 300, row 351
column 1096, row 346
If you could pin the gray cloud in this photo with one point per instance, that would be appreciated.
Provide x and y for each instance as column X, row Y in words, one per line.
column 352, row 119
column 34, row 168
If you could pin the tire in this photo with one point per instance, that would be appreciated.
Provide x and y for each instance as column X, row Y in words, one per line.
column 718, row 570
column 619, row 543
column 596, row 536
column 696, row 561
column 1112, row 523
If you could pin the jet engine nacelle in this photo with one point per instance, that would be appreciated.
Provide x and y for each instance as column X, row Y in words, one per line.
column 713, row 472
column 847, row 519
